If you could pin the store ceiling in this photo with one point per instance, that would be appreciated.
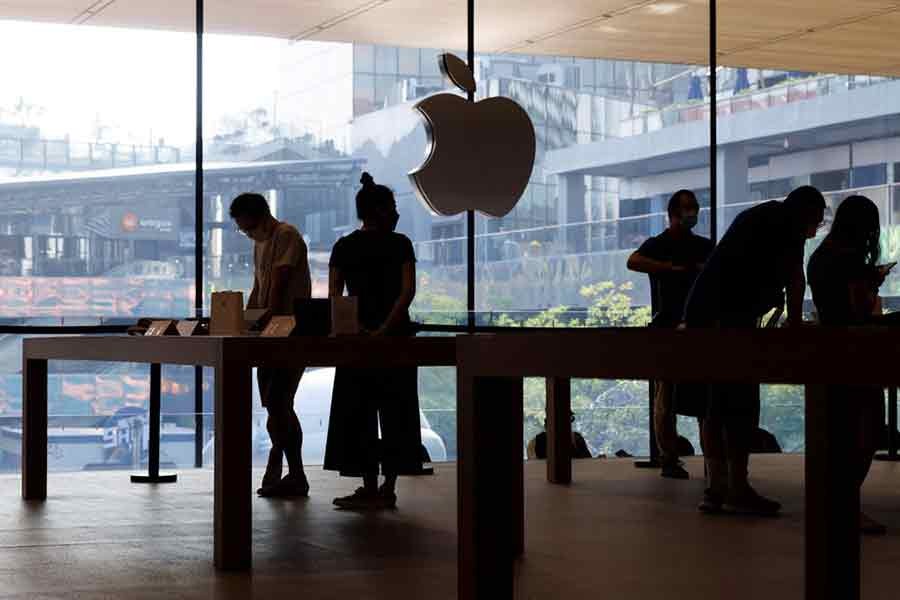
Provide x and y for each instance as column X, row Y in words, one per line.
column 841, row 36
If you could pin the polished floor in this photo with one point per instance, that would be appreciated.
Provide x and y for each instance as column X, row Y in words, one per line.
column 618, row 532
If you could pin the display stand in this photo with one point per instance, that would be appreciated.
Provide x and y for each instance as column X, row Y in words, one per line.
column 153, row 475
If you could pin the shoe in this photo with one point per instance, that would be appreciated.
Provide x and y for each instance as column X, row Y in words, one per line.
column 869, row 526
column 386, row 498
column 271, row 478
column 289, row 487
column 674, row 470
column 267, row 483
column 751, row 503
column 361, row 499
column 712, row 502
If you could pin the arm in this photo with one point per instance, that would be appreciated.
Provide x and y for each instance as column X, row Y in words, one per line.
column 290, row 255
column 795, row 290
column 864, row 301
column 253, row 301
column 642, row 264
column 398, row 313
column 281, row 281
column 335, row 282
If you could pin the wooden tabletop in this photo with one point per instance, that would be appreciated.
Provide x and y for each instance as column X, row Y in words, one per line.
column 213, row 351
column 804, row 355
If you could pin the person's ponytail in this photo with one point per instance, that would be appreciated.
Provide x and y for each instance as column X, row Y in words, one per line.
column 371, row 197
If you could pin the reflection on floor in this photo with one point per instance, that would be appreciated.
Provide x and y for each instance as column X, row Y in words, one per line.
column 618, row 532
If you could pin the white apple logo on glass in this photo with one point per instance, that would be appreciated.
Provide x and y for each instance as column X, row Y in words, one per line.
column 480, row 154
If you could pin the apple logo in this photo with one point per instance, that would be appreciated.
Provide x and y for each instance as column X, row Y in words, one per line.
column 480, row 155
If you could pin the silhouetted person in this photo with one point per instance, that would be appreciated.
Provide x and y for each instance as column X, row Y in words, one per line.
column 844, row 276
column 377, row 266
column 672, row 259
column 756, row 264
column 280, row 276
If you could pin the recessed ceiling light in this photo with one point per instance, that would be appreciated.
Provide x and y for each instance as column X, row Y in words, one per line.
column 665, row 8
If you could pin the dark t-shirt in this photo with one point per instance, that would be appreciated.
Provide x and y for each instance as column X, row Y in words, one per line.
column 748, row 271
column 830, row 273
column 670, row 290
column 372, row 265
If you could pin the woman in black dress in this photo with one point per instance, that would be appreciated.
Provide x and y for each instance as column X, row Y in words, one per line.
column 844, row 276
column 377, row 266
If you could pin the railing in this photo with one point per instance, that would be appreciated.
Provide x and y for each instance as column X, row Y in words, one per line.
column 607, row 235
column 616, row 235
column 746, row 100
column 37, row 154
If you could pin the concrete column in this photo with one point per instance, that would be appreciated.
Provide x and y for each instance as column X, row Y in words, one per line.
column 732, row 184
column 570, row 209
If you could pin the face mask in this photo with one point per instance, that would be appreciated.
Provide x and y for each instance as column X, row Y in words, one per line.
column 689, row 221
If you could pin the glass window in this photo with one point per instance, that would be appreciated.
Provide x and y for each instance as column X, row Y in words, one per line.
column 408, row 61
column 386, row 60
column 96, row 222
column 363, row 94
column 363, row 58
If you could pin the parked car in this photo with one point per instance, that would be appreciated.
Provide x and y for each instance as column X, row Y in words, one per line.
column 313, row 405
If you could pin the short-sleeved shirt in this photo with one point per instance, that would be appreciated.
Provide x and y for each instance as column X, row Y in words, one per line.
column 830, row 273
column 670, row 290
column 371, row 263
column 285, row 248
column 747, row 273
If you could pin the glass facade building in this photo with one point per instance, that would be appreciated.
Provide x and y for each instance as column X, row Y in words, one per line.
column 97, row 199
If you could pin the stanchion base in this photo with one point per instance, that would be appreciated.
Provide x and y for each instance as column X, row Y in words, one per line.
column 151, row 479
column 888, row 457
column 647, row 464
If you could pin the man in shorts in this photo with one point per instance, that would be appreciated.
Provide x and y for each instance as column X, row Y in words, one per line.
column 757, row 265
column 281, row 276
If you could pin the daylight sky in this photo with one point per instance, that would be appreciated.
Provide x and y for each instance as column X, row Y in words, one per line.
column 139, row 84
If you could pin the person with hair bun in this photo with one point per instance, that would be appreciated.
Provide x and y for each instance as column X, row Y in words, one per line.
column 377, row 266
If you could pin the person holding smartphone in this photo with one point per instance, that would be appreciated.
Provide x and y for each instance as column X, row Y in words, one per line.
column 845, row 276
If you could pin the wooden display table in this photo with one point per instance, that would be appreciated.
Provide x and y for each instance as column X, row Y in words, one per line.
column 231, row 359
column 490, row 373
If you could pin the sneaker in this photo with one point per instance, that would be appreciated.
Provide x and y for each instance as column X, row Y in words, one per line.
column 674, row 470
column 869, row 526
column 712, row 502
column 751, row 503
column 361, row 498
column 289, row 487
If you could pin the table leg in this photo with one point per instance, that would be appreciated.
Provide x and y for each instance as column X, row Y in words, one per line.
column 490, row 485
column 832, row 497
column 232, row 527
column 559, row 430
column 34, row 429
column 155, row 415
column 891, row 455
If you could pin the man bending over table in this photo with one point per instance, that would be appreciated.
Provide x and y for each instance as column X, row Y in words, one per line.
column 280, row 276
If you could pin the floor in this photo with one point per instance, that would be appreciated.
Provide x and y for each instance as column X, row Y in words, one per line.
column 618, row 530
